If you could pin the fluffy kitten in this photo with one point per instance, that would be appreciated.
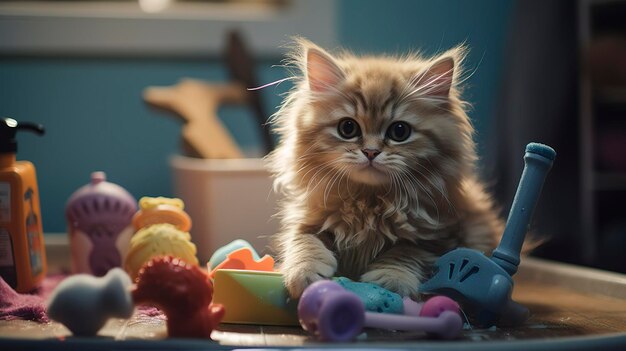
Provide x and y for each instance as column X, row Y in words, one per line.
column 376, row 165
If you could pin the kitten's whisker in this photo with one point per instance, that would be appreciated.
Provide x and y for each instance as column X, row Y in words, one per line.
column 392, row 187
column 427, row 179
column 427, row 87
column 343, row 169
column 403, row 185
column 306, row 165
column 411, row 175
column 464, row 79
column 416, row 197
column 317, row 154
column 399, row 190
column 314, row 143
column 277, row 82
column 309, row 153
column 405, row 175
column 322, row 180
column 440, row 188
column 427, row 189
column 312, row 180
column 330, row 184
column 408, row 183
column 325, row 166
column 346, row 176
column 344, row 172
column 319, row 168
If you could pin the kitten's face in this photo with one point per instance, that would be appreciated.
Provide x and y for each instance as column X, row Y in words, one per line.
column 380, row 121
column 367, row 130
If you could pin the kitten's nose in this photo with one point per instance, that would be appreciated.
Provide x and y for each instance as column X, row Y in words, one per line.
column 370, row 153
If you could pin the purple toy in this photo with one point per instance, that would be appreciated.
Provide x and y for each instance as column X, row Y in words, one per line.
column 334, row 314
column 99, row 218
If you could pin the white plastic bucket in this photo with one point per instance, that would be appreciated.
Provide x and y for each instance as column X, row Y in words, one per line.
column 227, row 199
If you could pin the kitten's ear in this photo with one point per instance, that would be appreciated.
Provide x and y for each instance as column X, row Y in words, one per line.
column 322, row 71
column 436, row 79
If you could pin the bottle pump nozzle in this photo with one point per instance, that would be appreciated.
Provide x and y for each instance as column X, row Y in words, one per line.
column 9, row 127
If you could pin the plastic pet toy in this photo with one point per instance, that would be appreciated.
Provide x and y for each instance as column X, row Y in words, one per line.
column 243, row 259
column 84, row 303
column 334, row 314
column 220, row 255
column 484, row 284
column 183, row 292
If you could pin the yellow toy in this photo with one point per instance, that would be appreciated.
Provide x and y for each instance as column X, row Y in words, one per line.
column 254, row 297
column 158, row 240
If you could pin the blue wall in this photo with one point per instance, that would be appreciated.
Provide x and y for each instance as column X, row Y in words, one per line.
column 432, row 26
column 96, row 120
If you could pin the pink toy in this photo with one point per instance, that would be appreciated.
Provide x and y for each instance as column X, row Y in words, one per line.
column 335, row 314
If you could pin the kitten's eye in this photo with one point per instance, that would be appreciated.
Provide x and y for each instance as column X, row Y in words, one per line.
column 399, row 131
column 348, row 128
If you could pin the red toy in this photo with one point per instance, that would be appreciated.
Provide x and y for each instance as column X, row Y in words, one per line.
column 183, row 292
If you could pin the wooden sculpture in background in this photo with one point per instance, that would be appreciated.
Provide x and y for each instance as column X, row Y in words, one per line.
column 242, row 70
column 196, row 103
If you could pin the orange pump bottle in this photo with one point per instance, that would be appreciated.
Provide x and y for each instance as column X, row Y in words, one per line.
column 22, row 249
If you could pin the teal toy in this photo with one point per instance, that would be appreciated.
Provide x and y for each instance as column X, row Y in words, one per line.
column 484, row 284
column 374, row 297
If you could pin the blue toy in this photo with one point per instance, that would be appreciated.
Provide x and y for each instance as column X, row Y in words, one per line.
column 484, row 284
column 84, row 303
column 374, row 297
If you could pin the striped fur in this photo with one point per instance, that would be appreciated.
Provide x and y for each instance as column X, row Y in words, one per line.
column 385, row 224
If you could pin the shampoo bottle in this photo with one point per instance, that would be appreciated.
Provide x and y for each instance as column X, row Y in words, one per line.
column 22, row 251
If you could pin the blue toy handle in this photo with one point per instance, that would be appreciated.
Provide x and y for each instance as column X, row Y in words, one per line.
column 538, row 161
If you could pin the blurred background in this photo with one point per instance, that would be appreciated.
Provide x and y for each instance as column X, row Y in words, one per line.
column 545, row 71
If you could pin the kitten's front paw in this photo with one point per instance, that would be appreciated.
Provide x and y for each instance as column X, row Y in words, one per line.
column 299, row 275
column 399, row 281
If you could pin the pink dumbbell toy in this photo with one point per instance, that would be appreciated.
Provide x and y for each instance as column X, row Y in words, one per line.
column 334, row 314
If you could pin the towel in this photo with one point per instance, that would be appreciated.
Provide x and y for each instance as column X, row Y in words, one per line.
column 26, row 306
column 32, row 307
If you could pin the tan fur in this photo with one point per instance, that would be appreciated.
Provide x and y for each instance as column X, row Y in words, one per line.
column 385, row 225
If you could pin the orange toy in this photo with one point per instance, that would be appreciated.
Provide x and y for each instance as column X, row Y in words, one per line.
column 242, row 259
column 157, row 210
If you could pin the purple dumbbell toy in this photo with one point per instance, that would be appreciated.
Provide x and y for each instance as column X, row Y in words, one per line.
column 334, row 314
